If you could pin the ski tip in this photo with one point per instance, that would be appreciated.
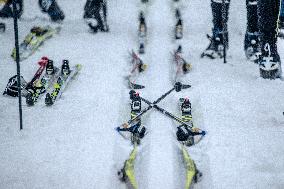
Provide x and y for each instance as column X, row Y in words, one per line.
column 186, row 86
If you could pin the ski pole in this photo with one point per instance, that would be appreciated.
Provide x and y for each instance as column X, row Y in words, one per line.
column 165, row 112
column 224, row 29
column 177, row 87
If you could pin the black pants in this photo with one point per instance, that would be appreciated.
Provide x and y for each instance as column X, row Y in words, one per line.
column 93, row 9
column 268, row 13
column 262, row 16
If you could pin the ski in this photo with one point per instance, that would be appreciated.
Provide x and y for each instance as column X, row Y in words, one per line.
column 142, row 33
column 62, row 81
column 127, row 173
column 138, row 66
column 43, row 84
column 36, row 37
column 26, row 88
column 136, row 129
column 182, row 67
column 193, row 175
column 179, row 26
column 187, row 134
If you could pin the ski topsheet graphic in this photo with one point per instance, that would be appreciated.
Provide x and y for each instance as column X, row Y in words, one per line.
column 43, row 84
column 182, row 67
column 127, row 174
column 36, row 37
column 138, row 66
column 193, row 175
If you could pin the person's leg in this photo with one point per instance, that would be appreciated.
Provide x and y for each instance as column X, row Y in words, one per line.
column 251, row 42
column 52, row 9
column 269, row 62
column 219, row 39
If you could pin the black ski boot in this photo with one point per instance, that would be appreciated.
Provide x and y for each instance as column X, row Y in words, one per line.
column 281, row 27
column 216, row 46
column 49, row 67
column 7, row 10
column 65, row 69
column 269, row 62
column 252, row 46
column 52, row 9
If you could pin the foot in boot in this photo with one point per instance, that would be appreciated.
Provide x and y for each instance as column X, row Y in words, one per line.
column 6, row 11
column 251, row 46
column 216, row 46
column 269, row 62
column 52, row 9
column 281, row 28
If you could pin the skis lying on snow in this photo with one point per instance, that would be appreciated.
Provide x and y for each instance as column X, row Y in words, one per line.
column 62, row 81
column 36, row 37
column 138, row 66
column 12, row 87
column 43, row 84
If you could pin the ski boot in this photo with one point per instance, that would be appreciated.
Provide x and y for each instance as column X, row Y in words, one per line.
column 269, row 62
column 65, row 69
column 2, row 27
column 52, row 9
column 281, row 27
column 179, row 26
column 7, row 10
column 251, row 46
column 49, row 67
column 216, row 46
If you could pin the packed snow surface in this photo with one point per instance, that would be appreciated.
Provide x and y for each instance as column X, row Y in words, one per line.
column 73, row 144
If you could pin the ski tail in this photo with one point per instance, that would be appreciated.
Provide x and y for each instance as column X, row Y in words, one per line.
column 128, row 169
column 133, row 85
column 190, row 168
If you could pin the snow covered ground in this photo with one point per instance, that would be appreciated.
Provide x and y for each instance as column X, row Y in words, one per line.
column 73, row 144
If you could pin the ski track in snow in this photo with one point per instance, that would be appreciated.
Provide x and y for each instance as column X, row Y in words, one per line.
column 73, row 144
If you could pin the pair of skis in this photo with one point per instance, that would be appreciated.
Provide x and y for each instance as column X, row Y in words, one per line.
column 60, row 84
column 53, row 83
column 36, row 37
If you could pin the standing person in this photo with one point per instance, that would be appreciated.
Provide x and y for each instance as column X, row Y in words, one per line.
column 260, row 37
column 47, row 6
column 96, row 15
column 269, row 61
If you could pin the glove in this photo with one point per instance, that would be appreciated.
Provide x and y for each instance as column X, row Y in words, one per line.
column 203, row 133
column 117, row 129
